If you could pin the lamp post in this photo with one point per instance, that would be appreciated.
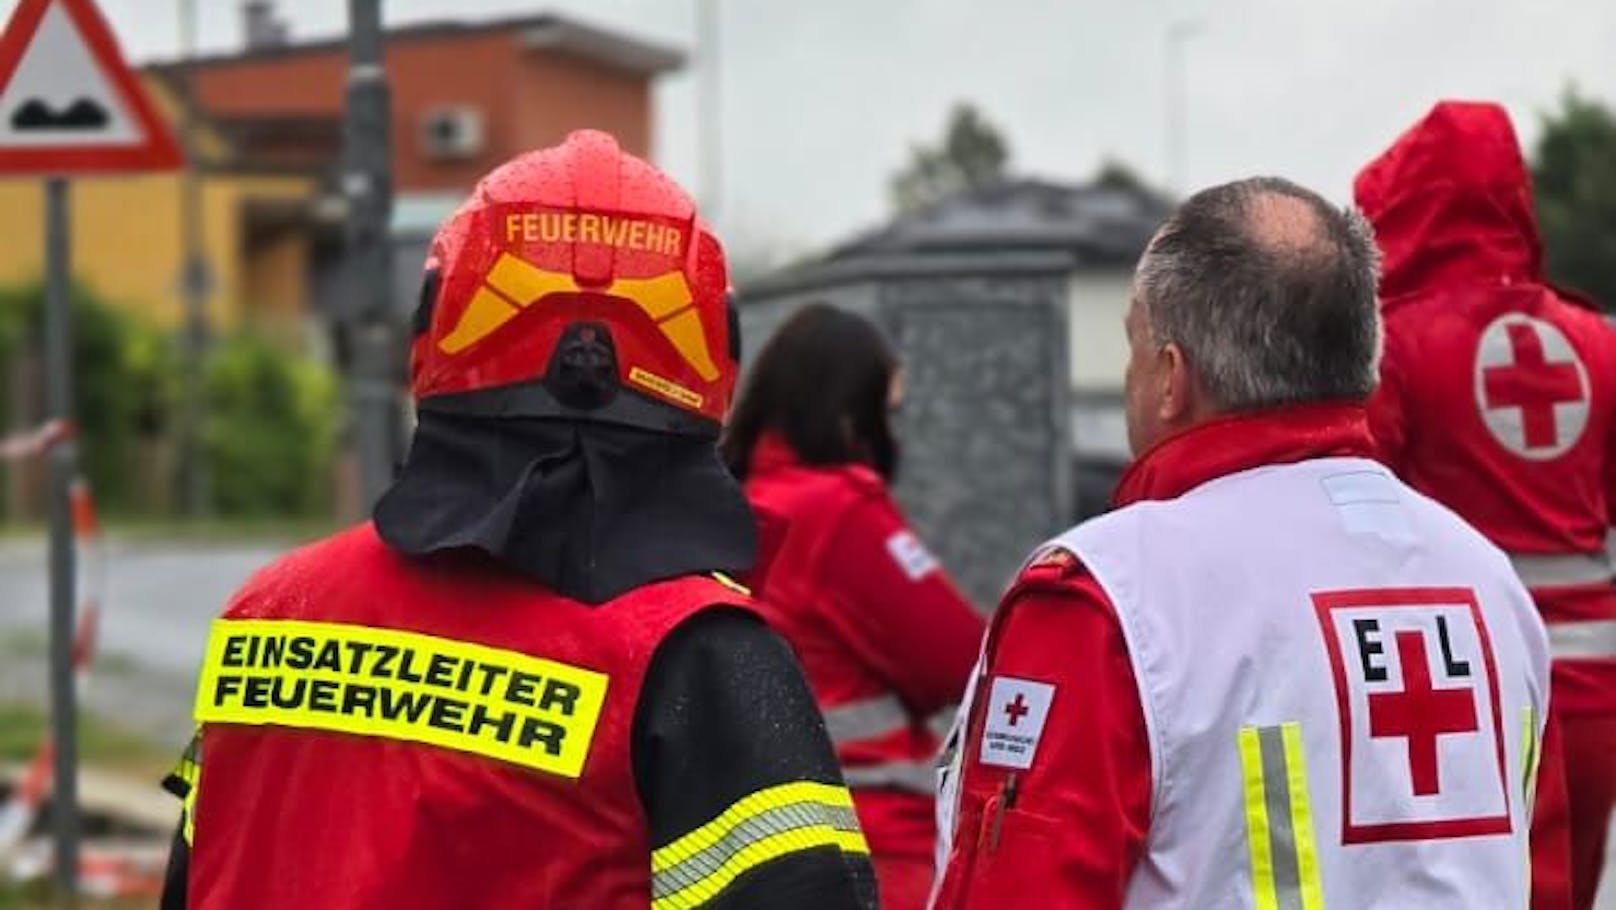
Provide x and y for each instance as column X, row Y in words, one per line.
column 709, row 116
column 1177, row 90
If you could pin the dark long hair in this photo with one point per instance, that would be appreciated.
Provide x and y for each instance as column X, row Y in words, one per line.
column 822, row 383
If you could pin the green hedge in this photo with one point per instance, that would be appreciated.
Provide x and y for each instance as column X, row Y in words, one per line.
column 271, row 429
column 271, row 432
column 122, row 380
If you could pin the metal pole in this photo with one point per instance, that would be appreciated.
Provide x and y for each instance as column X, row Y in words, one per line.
column 1178, row 34
column 710, row 109
column 194, row 284
column 59, row 406
column 368, row 184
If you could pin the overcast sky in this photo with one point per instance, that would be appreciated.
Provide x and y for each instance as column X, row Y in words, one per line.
column 822, row 99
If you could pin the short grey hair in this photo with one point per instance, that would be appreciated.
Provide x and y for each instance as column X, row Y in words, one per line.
column 1270, row 292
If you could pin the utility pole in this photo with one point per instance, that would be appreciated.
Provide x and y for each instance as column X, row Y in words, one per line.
column 1177, row 103
column 367, row 183
column 709, row 114
column 195, row 285
column 62, row 458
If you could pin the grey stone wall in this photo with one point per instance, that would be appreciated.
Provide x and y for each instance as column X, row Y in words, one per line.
column 986, row 472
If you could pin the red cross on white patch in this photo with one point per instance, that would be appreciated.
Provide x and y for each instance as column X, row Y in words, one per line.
column 1531, row 388
column 1014, row 722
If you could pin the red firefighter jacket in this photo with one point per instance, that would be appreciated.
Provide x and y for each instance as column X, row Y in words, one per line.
column 1073, row 833
column 886, row 640
column 1498, row 393
column 380, row 732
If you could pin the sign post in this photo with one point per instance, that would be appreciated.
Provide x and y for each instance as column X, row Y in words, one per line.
column 69, row 104
column 62, row 467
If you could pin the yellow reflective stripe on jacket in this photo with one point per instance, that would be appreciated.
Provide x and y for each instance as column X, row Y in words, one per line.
column 188, row 772
column 188, row 811
column 1257, row 842
column 758, row 828
column 402, row 685
column 1531, row 753
column 1279, row 820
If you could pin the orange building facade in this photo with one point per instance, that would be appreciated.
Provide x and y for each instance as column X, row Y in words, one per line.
column 268, row 129
column 510, row 85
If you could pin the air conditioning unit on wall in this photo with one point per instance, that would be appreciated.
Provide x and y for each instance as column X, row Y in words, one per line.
column 452, row 133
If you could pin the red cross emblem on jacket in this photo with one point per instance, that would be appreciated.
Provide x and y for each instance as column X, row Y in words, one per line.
column 1417, row 690
column 1531, row 387
column 1420, row 713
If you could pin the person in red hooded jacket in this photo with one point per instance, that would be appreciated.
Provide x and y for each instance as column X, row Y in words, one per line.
column 1498, row 398
column 524, row 685
column 885, row 638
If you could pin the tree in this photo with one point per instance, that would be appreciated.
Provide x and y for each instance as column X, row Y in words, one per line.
column 972, row 153
column 1118, row 175
column 1574, row 175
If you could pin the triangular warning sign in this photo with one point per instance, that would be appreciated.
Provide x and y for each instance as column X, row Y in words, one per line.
column 69, row 104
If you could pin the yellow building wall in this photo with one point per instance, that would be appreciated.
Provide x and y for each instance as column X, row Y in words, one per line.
column 127, row 241
column 276, row 284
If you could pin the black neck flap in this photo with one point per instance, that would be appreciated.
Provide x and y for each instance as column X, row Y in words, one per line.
column 589, row 510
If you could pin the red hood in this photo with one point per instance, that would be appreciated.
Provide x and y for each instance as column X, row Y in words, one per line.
column 1451, row 203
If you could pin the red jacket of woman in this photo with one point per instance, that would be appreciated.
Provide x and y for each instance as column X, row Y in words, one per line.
column 885, row 638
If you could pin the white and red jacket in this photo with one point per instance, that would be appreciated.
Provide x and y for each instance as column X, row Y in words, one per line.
column 1137, row 672
column 1498, row 392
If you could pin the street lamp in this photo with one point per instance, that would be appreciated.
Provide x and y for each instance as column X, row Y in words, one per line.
column 1177, row 36
column 709, row 114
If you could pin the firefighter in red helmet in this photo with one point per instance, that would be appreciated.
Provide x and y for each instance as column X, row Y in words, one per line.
column 527, row 682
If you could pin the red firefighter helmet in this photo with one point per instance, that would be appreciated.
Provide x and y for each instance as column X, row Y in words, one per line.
column 577, row 282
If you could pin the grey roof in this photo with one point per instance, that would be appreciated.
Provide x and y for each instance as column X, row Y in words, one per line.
column 1097, row 223
column 562, row 35
column 545, row 31
column 1022, row 224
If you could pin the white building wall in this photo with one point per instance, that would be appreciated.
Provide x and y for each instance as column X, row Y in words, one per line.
column 1099, row 354
column 1099, row 301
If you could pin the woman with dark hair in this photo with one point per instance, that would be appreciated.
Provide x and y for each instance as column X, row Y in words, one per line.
column 888, row 643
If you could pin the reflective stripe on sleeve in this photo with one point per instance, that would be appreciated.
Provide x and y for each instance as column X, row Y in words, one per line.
column 764, row 826
column 1559, row 570
column 866, row 719
column 1583, row 640
column 1281, row 845
column 911, row 776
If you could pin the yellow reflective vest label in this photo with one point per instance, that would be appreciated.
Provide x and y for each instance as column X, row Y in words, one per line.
column 402, row 685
